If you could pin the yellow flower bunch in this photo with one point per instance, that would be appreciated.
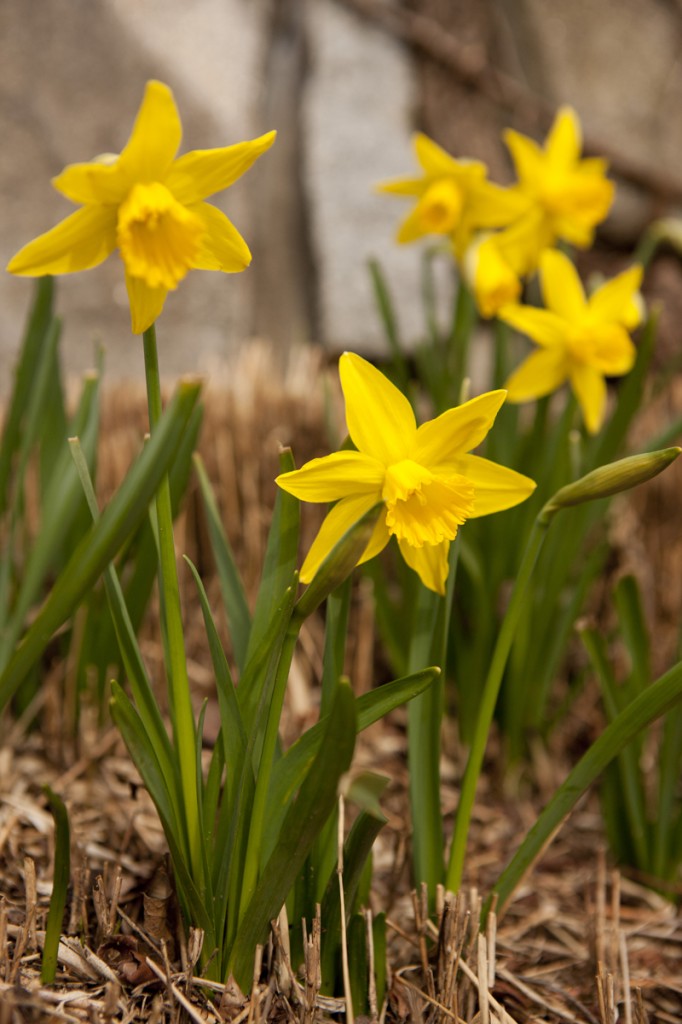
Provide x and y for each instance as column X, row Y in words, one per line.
column 498, row 234
column 150, row 205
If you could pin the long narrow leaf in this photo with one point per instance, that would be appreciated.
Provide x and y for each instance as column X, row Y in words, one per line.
column 123, row 514
column 665, row 693
column 128, row 646
column 304, row 820
column 292, row 767
column 62, row 498
column 31, row 349
column 279, row 574
column 356, row 850
column 233, row 736
column 231, row 586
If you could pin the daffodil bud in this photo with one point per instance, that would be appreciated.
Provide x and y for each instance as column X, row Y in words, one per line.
column 490, row 276
column 608, row 480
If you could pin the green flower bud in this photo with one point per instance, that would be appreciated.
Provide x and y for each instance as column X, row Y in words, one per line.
column 608, row 480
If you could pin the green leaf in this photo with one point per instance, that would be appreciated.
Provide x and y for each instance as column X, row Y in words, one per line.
column 335, row 635
column 665, row 693
column 60, row 886
column 121, row 517
column 233, row 736
column 127, row 643
column 279, row 575
column 364, row 790
column 143, row 752
column 631, row 809
column 303, row 822
column 292, row 767
column 401, row 371
column 61, row 501
column 32, row 348
column 231, row 586
column 356, row 851
column 633, row 627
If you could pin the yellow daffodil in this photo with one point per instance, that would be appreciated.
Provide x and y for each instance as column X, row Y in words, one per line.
column 150, row 205
column 453, row 197
column 427, row 480
column 567, row 196
column 582, row 340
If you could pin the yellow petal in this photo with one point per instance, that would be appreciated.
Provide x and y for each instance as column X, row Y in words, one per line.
column 403, row 186
column 80, row 242
column 456, row 431
column 94, row 182
column 562, row 289
column 522, row 242
column 492, row 206
column 222, row 247
column 202, row 172
column 526, row 155
column 590, row 390
column 430, row 562
column 495, row 487
column 380, row 419
column 543, row 326
column 338, row 521
column 564, row 141
column 411, row 228
column 155, row 138
column 437, row 162
column 615, row 300
column 581, row 200
column 541, row 373
column 613, row 353
column 335, row 476
column 378, row 541
column 145, row 303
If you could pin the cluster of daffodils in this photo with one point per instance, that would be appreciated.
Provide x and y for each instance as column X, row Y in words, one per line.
column 501, row 236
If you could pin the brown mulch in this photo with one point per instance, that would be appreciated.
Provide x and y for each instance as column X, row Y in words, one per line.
column 579, row 942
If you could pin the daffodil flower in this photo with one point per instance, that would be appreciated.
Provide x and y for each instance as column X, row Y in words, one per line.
column 567, row 196
column 582, row 340
column 425, row 476
column 453, row 197
column 150, row 205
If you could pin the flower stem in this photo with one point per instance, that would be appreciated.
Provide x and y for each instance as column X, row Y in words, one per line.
column 491, row 690
column 179, row 699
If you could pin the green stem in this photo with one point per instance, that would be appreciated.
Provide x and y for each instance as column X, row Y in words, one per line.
column 460, row 335
column 178, row 682
column 424, row 724
column 486, row 710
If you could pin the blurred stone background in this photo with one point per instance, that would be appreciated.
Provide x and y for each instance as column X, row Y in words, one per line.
column 345, row 82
